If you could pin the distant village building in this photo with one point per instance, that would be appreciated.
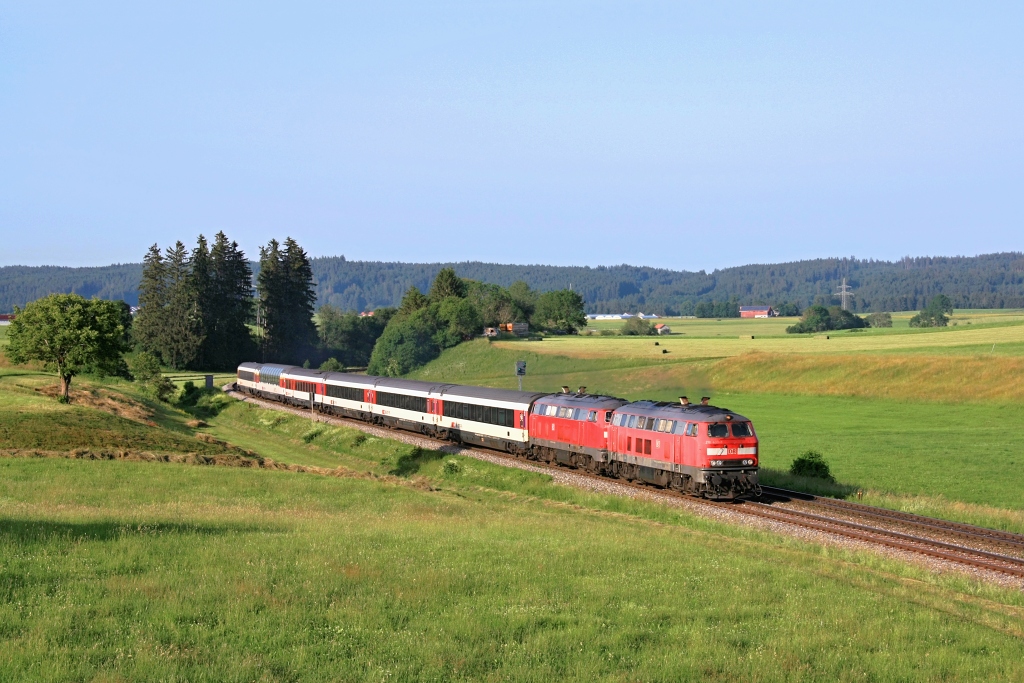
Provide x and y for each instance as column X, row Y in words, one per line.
column 6, row 318
column 366, row 314
column 662, row 328
column 757, row 312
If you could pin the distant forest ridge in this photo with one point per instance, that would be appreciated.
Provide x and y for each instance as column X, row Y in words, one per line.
column 987, row 281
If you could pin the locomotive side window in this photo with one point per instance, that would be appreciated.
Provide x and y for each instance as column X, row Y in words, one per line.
column 592, row 416
column 608, row 417
column 632, row 422
column 718, row 430
column 740, row 429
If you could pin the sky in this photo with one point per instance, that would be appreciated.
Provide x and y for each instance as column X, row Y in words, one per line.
column 679, row 135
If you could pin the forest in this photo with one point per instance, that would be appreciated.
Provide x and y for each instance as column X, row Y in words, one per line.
column 987, row 281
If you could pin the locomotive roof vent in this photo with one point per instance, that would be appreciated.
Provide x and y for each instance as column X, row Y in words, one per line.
column 704, row 400
column 581, row 390
column 565, row 390
column 684, row 401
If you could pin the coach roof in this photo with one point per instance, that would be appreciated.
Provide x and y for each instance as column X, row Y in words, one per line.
column 508, row 395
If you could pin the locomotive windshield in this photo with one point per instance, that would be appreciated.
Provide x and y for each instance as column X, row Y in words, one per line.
column 718, row 430
column 741, row 429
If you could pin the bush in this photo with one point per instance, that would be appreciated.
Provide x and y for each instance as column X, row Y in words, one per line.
column 451, row 468
column 145, row 369
column 811, row 464
column 637, row 326
column 821, row 319
column 880, row 320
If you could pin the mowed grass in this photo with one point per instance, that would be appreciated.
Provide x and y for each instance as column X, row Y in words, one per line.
column 737, row 336
column 142, row 571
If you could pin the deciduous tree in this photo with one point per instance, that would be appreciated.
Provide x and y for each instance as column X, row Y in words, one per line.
column 68, row 334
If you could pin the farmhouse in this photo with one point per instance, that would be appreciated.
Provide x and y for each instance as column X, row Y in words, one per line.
column 662, row 328
column 6, row 318
column 757, row 312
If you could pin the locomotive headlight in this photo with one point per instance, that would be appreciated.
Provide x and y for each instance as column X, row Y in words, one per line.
column 748, row 462
column 717, row 463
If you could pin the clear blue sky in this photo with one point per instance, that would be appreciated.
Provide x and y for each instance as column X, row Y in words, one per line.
column 673, row 135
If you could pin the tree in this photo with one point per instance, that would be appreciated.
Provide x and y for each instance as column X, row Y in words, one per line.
column 637, row 326
column 561, row 309
column 181, row 332
column 148, row 328
column 447, row 284
column 459, row 320
column 524, row 298
column 229, row 308
column 934, row 314
column 407, row 343
column 287, row 297
column 412, row 301
column 68, row 333
column 349, row 338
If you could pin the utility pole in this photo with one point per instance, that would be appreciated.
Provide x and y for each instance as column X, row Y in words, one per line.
column 845, row 293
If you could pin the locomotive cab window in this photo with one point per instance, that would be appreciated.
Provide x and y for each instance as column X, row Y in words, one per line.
column 718, row 430
column 741, row 429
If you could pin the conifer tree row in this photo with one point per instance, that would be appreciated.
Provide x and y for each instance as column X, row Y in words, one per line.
column 286, row 302
column 194, row 308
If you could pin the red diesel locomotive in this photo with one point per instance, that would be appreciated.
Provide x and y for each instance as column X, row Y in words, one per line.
column 697, row 448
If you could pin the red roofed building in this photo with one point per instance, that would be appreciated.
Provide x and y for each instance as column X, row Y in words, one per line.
column 757, row 312
column 6, row 318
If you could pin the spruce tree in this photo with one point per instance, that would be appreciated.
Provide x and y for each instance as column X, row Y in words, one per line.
column 149, row 327
column 203, row 289
column 182, row 332
column 231, row 306
column 286, row 299
column 301, row 298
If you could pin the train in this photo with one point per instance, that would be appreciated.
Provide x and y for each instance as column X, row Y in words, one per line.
column 689, row 446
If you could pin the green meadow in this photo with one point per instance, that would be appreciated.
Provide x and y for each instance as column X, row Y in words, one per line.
column 409, row 565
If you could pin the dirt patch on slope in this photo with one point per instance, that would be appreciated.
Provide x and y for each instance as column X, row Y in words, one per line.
column 107, row 401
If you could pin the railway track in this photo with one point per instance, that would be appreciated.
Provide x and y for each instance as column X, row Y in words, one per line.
column 820, row 520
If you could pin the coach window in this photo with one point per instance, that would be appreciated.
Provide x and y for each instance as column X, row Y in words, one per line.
column 651, row 422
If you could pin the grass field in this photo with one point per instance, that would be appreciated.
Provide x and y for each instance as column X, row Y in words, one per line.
column 117, row 570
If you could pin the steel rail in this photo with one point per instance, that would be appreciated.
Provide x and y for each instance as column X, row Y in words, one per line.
column 958, row 528
column 886, row 537
column 839, row 527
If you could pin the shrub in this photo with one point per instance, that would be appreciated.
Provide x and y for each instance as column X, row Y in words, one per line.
column 811, row 464
column 880, row 320
column 451, row 468
column 637, row 326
